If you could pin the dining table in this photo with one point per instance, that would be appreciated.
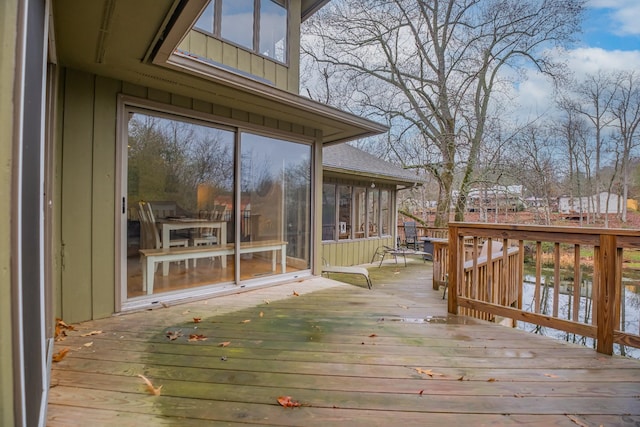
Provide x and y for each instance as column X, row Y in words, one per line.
column 170, row 224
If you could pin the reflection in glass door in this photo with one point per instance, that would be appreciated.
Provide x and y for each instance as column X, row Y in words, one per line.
column 180, row 193
column 275, row 200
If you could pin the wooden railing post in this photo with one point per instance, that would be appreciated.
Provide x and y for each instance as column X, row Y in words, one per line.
column 454, row 258
column 605, row 314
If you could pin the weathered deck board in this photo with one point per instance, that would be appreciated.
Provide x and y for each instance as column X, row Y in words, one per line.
column 350, row 355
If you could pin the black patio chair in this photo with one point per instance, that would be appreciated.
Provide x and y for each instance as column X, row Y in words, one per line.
column 411, row 235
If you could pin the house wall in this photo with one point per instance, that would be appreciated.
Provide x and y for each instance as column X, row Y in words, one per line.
column 87, row 202
column 8, row 31
column 353, row 252
column 282, row 76
column 357, row 251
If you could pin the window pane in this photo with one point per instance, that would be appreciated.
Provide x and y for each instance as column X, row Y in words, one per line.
column 205, row 22
column 329, row 212
column 344, row 226
column 237, row 22
column 373, row 218
column 385, row 212
column 180, row 172
column 273, row 30
column 276, row 200
column 360, row 204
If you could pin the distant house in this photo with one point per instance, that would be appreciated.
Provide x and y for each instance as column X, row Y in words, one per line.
column 359, row 203
column 609, row 204
column 500, row 197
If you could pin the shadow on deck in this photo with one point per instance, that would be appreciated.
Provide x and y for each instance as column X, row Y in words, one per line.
column 351, row 356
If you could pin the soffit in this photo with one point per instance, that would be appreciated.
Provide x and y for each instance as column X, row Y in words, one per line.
column 113, row 38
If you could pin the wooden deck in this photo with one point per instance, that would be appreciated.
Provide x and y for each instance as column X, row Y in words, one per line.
column 390, row 356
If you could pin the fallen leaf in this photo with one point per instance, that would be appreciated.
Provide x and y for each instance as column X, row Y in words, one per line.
column 287, row 402
column 261, row 314
column 197, row 319
column 60, row 355
column 295, row 294
column 88, row 334
column 153, row 390
column 491, row 380
column 224, row 344
column 372, row 335
column 197, row 337
column 63, row 325
column 578, row 421
column 551, row 376
column 165, row 305
column 246, row 321
column 428, row 372
column 403, row 306
column 266, row 301
column 461, row 378
column 88, row 344
column 61, row 335
column 173, row 335
column 420, row 392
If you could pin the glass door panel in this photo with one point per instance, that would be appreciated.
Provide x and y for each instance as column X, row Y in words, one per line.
column 180, row 178
column 275, row 201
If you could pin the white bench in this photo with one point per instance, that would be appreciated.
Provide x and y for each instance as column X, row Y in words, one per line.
column 348, row 270
column 150, row 257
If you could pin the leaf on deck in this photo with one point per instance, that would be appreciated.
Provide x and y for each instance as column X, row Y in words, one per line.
column 262, row 314
column 88, row 334
column 428, row 372
column 197, row 337
column 246, row 321
column 224, row 343
column 295, row 294
column 153, row 390
column 551, row 376
column 578, row 421
column 60, row 355
column 287, row 402
column 197, row 319
column 174, row 335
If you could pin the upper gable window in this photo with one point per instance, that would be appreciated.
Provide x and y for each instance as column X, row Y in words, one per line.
column 257, row 25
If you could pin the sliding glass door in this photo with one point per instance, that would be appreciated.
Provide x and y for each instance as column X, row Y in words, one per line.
column 180, row 179
column 191, row 224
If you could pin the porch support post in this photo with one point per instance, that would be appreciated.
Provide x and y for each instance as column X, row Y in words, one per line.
column 605, row 314
column 454, row 259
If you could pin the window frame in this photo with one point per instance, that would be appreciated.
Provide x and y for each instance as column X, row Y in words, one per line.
column 255, row 49
column 352, row 232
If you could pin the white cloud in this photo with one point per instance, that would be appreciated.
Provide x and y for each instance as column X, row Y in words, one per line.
column 535, row 95
column 592, row 59
column 625, row 15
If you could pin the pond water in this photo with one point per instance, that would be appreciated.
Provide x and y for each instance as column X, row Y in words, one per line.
column 630, row 312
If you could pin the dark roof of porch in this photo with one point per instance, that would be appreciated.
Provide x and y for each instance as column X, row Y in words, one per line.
column 344, row 159
column 348, row 355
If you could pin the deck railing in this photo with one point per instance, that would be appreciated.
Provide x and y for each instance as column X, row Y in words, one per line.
column 577, row 277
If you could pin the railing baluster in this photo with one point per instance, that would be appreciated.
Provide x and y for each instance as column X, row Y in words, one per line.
column 577, row 278
column 536, row 295
column 556, row 278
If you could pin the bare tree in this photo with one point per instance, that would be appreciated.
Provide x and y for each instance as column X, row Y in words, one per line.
column 434, row 67
column 593, row 98
column 536, row 163
column 626, row 110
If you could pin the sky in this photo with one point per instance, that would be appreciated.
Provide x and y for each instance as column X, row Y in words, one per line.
column 610, row 40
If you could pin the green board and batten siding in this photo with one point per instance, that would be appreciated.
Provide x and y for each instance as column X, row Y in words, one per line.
column 8, row 31
column 87, row 202
column 282, row 76
column 353, row 252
